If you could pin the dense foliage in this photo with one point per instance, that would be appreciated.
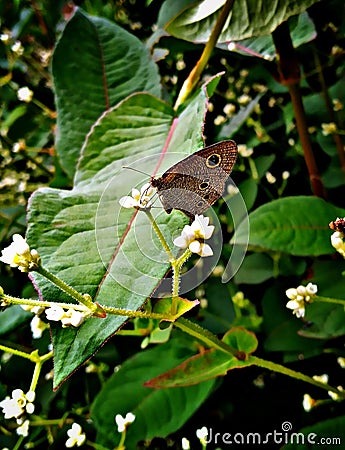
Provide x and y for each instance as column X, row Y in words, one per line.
column 88, row 90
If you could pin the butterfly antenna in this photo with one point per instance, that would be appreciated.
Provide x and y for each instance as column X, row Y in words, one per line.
column 136, row 170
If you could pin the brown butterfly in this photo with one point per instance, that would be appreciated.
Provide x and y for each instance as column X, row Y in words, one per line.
column 195, row 183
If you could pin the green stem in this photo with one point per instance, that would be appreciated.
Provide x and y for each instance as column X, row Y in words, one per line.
column 205, row 336
column 176, row 265
column 31, row 302
column 195, row 74
column 159, row 235
column 67, row 289
column 141, row 314
column 292, row 373
column 338, row 301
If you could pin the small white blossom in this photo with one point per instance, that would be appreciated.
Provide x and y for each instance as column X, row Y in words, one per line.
column 17, row 48
column 4, row 37
column 23, row 430
column 244, row 151
column 328, row 128
column 285, row 175
column 139, row 199
column 308, row 402
column 18, row 404
column 72, row 318
column 25, row 94
column 75, row 436
column 334, row 395
column 18, row 254
column 244, row 99
column 202, row 434
column 341, row 362
column 321, row 378
column 123, row 422
column 55, row 313
column 192, row 234
column 185, row 444
column 37, row 327
column 337, row 241
column 270, row 178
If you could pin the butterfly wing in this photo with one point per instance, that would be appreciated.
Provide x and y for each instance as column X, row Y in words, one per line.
column 195, row 183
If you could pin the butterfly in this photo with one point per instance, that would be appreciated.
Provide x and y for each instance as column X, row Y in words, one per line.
column 195, row 183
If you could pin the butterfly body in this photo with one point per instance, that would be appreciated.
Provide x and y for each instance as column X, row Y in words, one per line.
column 195, row 183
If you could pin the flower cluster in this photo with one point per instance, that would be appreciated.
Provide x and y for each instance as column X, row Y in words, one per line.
column 71, row 317
column 193, row 236
column 138, row 199
column 299, row 297
column 18, row 404
column 18, row 254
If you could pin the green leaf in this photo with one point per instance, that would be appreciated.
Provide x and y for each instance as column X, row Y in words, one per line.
column 255, row 269
column 302, row 30
column 155, row 410
column 194, row 21
column 295, row 225
column 12, row 318
column 85, row 238
column 327, row 321
column 95, row 65
column 210, row 363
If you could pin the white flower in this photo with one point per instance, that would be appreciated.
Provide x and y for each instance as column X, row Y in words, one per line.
column 123, row 422
column 297, row 306
column 17, row 48
column 270, row 178
column 72, row 318
column 23, row 430
column 192, row 234
column 334, row 395
column 244, row 151
column 18, row 254
column 338, row 242
column 299, row 297
column 185, row 444
column 55, row 313
column 25, row 94
column 328, row 128
column 75, row 436
column 37, row 327
column 202, row 434
column 308, row 402
column 321, row 378
column 139, row 199
column 341, row 362
column 18, row 404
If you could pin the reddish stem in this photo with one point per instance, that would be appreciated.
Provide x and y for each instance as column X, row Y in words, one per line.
column 289, row 75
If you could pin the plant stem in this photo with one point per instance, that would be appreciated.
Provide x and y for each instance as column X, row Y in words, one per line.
column 159, row 235
column 292, row 373
column 338, row 301
column 205, row 336
column 196, row 72
column 289, row 75
column 67, row 289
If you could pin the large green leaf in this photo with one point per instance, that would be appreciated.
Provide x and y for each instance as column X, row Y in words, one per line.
column 295, row 225
column 158, row 412
column 210, row 363
column 193, row 21
column 95, row 65
column 83, row 235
